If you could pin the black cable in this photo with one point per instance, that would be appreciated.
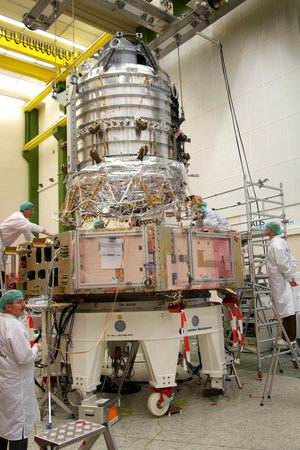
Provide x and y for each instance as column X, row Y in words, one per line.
column 67, row 346
column 233, row 115
column 38, row 337
column 186, row 380
column 237, row 132
column 38, row 384
column 62, row 325
column 231, row 106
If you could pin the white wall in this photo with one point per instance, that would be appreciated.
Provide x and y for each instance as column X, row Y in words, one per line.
column 261, row 46
column 13, row 167
column 48, row 193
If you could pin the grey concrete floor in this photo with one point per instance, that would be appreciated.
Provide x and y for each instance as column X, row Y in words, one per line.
column 239, row 423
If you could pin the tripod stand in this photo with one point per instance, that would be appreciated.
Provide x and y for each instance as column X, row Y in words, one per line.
column 49, row 395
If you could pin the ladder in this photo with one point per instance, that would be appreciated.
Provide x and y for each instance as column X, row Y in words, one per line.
column 269, row 205
column 261, row 203
column 81, row 430
column 275, row 357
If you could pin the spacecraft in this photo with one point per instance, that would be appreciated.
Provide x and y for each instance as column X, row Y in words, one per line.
column 125, row 149
column 140, row 281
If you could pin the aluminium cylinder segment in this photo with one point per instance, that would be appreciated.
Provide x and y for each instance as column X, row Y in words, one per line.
column 130, row 104
column 127, row 110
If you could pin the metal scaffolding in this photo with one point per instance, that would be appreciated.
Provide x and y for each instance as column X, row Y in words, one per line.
column 254, row 211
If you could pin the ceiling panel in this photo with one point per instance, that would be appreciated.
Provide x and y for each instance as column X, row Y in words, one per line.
column 95, row 17
column 89, row 12
column 89, row 16
column 84, row 34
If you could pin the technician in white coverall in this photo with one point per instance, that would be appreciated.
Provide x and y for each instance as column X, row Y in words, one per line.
column 18, row 404
column 282, row 266
column 14, row 226
column 207, row 218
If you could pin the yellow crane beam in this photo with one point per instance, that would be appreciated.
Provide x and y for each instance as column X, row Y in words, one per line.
column 24, row 68
column 45, row 134
column 93, row 48
column 34, row 48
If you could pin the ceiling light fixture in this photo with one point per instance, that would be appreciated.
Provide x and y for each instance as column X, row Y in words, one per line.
column 20, row 56
column 16, row 55
column 19, row 88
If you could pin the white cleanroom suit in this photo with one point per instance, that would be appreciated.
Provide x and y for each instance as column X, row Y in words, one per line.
column 11, row 228
column 18, row 404
column 214, row 221
column 281, row 265
column 297, row 308
column 16, row 224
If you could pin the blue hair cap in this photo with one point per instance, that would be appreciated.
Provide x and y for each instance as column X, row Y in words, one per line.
column 26, row 205
column 9, row 297
column 274, row 226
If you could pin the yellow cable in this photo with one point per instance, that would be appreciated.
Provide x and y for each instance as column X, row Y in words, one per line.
column 105, row 364
column 162, row 429
column 179, row 403
column 127, row 412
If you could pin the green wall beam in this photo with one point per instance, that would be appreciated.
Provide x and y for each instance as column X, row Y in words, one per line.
column 60, row 134
column 148, row 35
column 180, row 9
column 32, row 157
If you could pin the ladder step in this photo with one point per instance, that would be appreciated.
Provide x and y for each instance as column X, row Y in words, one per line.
column 267, row 340
column 262, row 276
column 282, row 352
column 270, row 216
column 257, row 232
column 267, row 291
column 257, row 258
column 265, row 200
column 246, row 307
column 266, row 356
column 260, row 185
column 264, row 308
column 63, row 436
column 267, row 324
